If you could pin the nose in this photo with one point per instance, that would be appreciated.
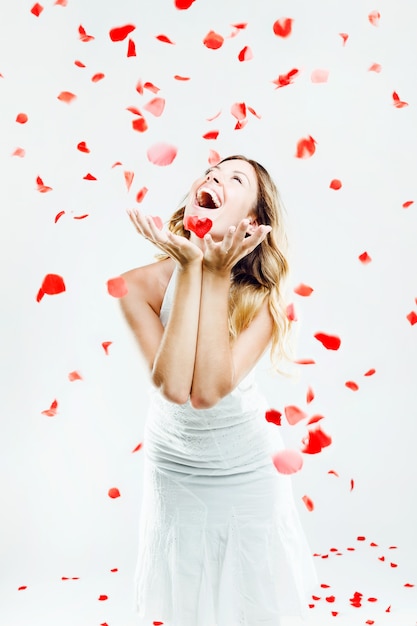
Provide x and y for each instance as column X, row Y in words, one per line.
column 214, row 177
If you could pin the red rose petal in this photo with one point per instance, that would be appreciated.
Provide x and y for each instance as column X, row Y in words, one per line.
column 375, row 67
column 140, row 124
column 412, row 318
column 83, row 34
column 58, row 215
column 97, row 77
column 319, row 76
column 182, row 5
column 370, row 372
column 214, row 157
column 164, row 39
column 352, row 484
column 214, row 117
column 238, row 110
column 330, row 599
column 199, row 226
column 157, row 221
column 19, row 152
column 286, row 79
column 131, row 48
column 114, row 492
column 161, row 154
column 288, row 461
column 290, row 312
column 212, row 134
column 22, row 588
column 178, row 77
column 80, row 217
column 306, row 147
column 314, row 419
column 157, row 623
column 273, row 416
column 407, row 204
column 41, row 187
column 141, row 194
column 129, row 176
column 397, row 102
column 334, row 473
column 309, row 395
column 21, row 118
column 283, row 27
column 409, row 585
column 364, row 258
column 324, row 586
column 245, row 54
column 89, row 177
column 344, row 37
column 79, row 64
column 119, row 33
column 103, row 597
column 138, row 447
column 74, row 376
column 240, row 124
column 316, row 441
column 62, row 3
column 330, row 342
column 294, row 414
column 52, row 411
column 151, row 87
column 374, row 17
column 106, row 345
column 370, row 622
column 361, row 538
column 155, row 106
column 52, row 285
column 66, row 96
column 213, row 40
column 82, row 147
column 37, row 9
column 117, row 287
column 114, row 570
column 335, row 184
column 305, row 361
column 350, row 384
column 303, row 290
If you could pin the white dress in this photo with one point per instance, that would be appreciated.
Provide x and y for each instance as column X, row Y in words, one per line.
column 220, row 541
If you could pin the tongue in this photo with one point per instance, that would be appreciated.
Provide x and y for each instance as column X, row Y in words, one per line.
column 206, row 201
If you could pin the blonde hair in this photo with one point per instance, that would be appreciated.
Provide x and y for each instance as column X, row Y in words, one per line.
column 260, row 274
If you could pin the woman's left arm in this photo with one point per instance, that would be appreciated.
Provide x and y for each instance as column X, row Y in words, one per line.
column 219, row 364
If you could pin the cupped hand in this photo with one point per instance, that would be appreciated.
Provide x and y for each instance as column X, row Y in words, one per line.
column 180, row 249
column 222, row 256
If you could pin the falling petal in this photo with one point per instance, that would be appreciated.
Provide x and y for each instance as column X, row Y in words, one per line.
column 214, row 157
column 121, row 32
column 82, row 147
column 344, row 37
column 140, row 124
column 374, row 17
column 286, row 79
column 412, row 318
column 21, row 118
column 151, row 87
column 330, row 342
column 407, row 204
column 157, row 221
column 79, row 64
column 303, row 290
column 58, row 215
column 138, row 447
column 288, row 461
column 114, row 492
column 290, row 312
column 19, row 152
column 80, row 217
column 213, row 40
column 178, row 77
column 352, row 484
column 375, row 67
column 238, row 110
column 129, row 176
column 155, row 106
column 61, row 3
column 83, row 34
column 89, row 177
column 66, row 96
column 306, row 147
column 240, row 124
column 314, row 419
column 334, row 473
column 131, row 48
column 251, row 110
column 106, row 345
column 309, row 395
column 273, row 416
column 41, row 186
column 117, row 287
column 183, row 5
column 134, row 110
column 335, row 184
column 52, row 411
column 74, row 376
column 350, row 384
column 141, row 194
column 212, row 134
column 22, row 588
column 308, row 502
column 199, row 226
column 319, row 76
column 161, row 154
column 283, row 27
column 213, row 117
column 294, row 414
column 97, row 77
column 103, row 597
column 164, row 39
column 370, row 372
column 305, row 361
column 245, row 54
column 52, row 284
column 364, row 258
column 316, row 441
column 397, row 102
column 37, row 9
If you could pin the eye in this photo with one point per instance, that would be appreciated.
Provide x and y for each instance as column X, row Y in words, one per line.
column 235, row 177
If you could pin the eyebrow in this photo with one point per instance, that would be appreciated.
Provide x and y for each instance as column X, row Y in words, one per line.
column 216, row 167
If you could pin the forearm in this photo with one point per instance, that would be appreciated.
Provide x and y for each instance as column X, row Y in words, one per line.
column 174, row 362
column 213, row 371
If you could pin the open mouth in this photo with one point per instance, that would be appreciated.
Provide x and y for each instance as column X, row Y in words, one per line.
column 208, row 199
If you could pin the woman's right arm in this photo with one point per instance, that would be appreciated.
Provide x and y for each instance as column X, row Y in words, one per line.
column 170, row 352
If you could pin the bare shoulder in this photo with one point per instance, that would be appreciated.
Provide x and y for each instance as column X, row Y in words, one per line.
column 149, row 282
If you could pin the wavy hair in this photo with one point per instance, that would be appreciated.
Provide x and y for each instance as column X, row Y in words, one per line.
column 260, row 274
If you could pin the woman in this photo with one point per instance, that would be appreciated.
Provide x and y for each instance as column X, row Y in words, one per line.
column 220, row 541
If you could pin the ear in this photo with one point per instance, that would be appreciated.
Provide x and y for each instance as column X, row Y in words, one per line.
column 253, row 224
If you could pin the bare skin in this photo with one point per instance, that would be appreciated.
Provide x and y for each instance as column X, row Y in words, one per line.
column 193, row 357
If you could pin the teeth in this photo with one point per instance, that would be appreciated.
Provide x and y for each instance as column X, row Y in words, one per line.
column 216, row 200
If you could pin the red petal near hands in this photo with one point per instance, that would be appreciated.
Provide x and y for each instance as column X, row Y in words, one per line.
column 319, row 76
column 157, row 221
column 344, row 37
column 114, row 493
column 117, row 287
column 294, row 414
column 155, row 106
column 53, row 284
column 303, row 290
column 79, row 64
column 330, row 342
column 164, row 39
column 82, row 147
column 89, row 177
column 161, row 154
column 314, row 419
column 151, row 87
column 288, row 461
column 309, row 395
column 140, row 124
column 213, row 40
column 214, row 157
column 335, row 184
column 138, row 447
column 183, row 4
column 58, row 215
column 141, row 194
column 212, row 134
column 283, row 27
column 286, row 79
column 350, row 384
column 370, row 372
column 129, row 176
column 97, row 77
column 36, row 9
column 21, row 118
column 306, row 147
column 407, row 204
column 375, row 67
column 199, row 226
column 374, row 18
column 74, row 376
column 103, row 597
column 178, row 77
column 310, row 506
column 121, row 32
column 83, row 34
column 290, row 313
column 316, row 441
column 364, row 258
column 245, row 54
column 106, row 345
column 66, row 96
column 238, row 110
column 273, row 416
column 412, row 318
column 131, row 48
column 19, row 152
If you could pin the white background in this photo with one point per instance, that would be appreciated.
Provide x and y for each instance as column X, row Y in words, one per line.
column 57, row 519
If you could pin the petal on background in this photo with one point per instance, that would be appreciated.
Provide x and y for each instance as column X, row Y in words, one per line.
column 21, row 118
column 140, row 124
column 97, row 77
column 397, row 102
column 412, row 318
column 309, row 504
column 294, row 414
column 330, row 342
column 138, row 447
column 199, row 226
column 288, row 461
column 106, row 345
column 238, row 110
column 22, row 588
column 19, row 152
column 79, row 64
column 334, row 473
column 375, row 67
column 155, row 106
column 114, row 492
column 303, row 290
column 214, row 157
column 164, row 39
column 309, row 395
column 80, row 217
column 335, row 184
column 129, row 176
column 119, row 33
column 161, row 154
column 37, row 9
column 83, row 34
column 319, row 76
column 151, row 87
column 212, row 134
column 374, row 17
column 117, row 287
column 407, row 204
column 41, row 187
column 214, row 117
column 286, row 79
column 158, row 221
column 103, row 597
column 245, row 54
column 74, row 376
column 178, row 77
column 134, row 110
column 213, row 40
column 305, row 361
column 306, row 147
column 52, row 285
column 58, row 215
column 252, row 110
column 141, row 194
column 52, row 411
column 181, row 5
column 352, row 484
column 273, row 416
column 61, row 3
column 364, row 258
column 66, row 96
column 350, row 384
column 131, row 48
column 89, row 177
column 290, row 312
column 283, row 27
column 82, row 147
column 316, row 441
column 344, row 37
column 370, row 372
column 314, row 419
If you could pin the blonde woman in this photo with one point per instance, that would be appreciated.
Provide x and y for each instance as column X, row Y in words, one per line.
column 220, row 541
